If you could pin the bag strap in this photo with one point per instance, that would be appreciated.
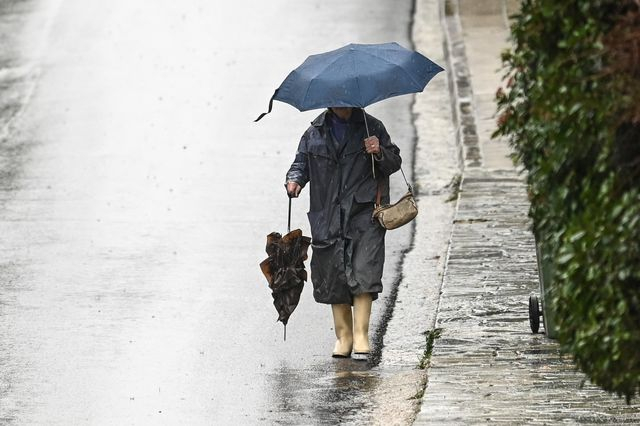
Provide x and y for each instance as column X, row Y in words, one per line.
column 379, row 190
column 373, row 167
column 378, row 195
column 409, row 188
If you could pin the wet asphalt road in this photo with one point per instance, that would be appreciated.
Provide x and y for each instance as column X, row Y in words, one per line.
column 135, row 197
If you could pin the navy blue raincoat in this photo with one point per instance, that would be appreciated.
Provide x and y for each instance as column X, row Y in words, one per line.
column 348, row 246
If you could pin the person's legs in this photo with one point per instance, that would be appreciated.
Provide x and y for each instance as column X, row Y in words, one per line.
column 361, row 315
column 343, row 325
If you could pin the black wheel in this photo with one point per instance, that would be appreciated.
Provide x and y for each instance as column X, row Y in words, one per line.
column 534, row 313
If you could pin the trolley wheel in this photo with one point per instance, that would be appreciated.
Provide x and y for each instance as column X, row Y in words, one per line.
column 534, row 313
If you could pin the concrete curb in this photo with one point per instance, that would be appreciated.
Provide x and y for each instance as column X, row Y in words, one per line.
column 460, row 86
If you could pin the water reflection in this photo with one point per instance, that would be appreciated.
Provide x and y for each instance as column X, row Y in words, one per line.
column 338, row 391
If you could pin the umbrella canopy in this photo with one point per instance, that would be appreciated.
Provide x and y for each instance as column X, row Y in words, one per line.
column 356, row 75
column 284, row 270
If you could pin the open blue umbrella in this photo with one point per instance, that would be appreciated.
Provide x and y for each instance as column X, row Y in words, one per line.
column 356, row 75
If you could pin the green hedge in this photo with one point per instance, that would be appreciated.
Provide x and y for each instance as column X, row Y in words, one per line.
column 570, row 110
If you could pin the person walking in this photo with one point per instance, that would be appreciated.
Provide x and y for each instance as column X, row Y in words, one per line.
column 335, row 157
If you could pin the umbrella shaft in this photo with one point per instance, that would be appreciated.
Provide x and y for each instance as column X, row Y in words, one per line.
column 289, row 217
column 373, row 167
column 366, row 126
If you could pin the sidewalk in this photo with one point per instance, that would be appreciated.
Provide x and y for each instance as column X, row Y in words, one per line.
column 487, row 366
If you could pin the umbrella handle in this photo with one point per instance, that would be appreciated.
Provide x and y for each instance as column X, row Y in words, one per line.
column 366, row 126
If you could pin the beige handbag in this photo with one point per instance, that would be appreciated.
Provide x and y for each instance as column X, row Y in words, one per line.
column 392, row 216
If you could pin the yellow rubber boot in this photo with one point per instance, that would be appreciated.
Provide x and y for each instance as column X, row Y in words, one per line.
column 361, row 315
column 343, row 325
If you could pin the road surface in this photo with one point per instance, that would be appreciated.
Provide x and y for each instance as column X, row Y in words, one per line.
column 135, row 197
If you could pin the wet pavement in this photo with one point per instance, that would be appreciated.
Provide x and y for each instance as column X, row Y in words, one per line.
column 486, row 366
column 135, row 197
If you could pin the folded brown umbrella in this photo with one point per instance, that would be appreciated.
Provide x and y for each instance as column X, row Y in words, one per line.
column 284, row 270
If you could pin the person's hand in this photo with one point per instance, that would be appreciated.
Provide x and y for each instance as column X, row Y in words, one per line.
column 372, row 145
column 293, row 189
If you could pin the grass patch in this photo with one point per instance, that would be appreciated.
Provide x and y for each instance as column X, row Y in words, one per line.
column 449, row 8
column 419, row 394
column 431, row 336
column 454, row 187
